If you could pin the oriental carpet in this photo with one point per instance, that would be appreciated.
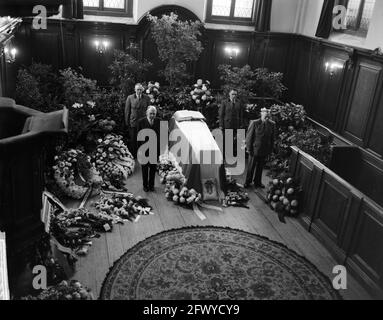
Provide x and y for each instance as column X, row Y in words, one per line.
column 213, row 263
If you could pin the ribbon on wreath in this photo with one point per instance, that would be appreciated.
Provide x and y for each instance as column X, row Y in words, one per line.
column 199, row 213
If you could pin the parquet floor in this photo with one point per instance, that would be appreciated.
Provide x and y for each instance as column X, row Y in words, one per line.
column 259, row 219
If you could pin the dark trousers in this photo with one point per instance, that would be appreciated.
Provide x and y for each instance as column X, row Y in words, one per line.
column 234, row 143
column 148, row 175
column 133, row 141
column 257, row 164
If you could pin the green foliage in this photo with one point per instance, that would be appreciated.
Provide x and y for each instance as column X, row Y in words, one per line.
column 177, row 44
column 77, row 88
column 127, row 71
column 27, row 91
column 251, row 83
column 38, row 87
column 314, row 143
column 295, row 131
column 240, row 79
column 288, row 116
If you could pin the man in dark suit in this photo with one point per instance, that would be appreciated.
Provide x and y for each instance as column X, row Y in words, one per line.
column 259, row 143
column 231, row 116
column 135, row 108
column 149, row 169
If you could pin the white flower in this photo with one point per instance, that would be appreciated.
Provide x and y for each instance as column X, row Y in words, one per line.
column 194, row 97
column 198, row 101
column 204, row 88
column 99, row 140
column 148, row 91
column 157, row 84
column 92, row 117
column 77, row 106
column 91, row 104
column 204, row 97
column 200, row 82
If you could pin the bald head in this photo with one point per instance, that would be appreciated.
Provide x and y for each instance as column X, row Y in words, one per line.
column 151, row 112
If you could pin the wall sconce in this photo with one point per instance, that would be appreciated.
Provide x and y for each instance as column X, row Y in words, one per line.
column 232, row 52
column 10, row 54
column 101, row 46
column 332, row 67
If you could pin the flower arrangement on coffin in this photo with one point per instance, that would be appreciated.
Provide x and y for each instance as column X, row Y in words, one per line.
column 75, row 228
column 124, row 206
column 74, row 173
column 201, row 94
column 153, row 92
column 283, row 196
column 114, row 161
column 236, row 196
column 72, row 290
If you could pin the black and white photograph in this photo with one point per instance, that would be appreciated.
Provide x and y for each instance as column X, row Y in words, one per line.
column 191, row 155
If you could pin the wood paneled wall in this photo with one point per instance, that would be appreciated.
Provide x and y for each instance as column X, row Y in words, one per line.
column 340, row 86
column 70, row 43
column 347, row 222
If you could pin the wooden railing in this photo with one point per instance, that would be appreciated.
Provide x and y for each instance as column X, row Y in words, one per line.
column 345, row 220
column 23, row 155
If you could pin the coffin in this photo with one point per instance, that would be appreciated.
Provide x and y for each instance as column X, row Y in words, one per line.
column 203, row 164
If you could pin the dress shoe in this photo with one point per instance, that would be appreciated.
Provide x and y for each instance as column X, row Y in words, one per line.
column 151, row 189
column 247, row 185
column 260, row 186
column 146, row 189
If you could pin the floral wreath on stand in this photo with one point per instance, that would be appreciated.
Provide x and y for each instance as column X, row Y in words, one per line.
column 114, row 161
column 74, row 173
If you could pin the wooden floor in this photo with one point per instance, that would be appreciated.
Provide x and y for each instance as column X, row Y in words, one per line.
column 92, row 269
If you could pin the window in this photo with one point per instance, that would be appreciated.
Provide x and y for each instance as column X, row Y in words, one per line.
column 109, row 7
column 230, row 11
column 358, row 17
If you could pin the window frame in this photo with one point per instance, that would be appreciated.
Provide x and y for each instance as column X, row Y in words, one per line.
column 102, row 11
column 231, row 19
column 356, row 31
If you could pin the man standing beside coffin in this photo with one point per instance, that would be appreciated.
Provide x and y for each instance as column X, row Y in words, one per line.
column 259, row 143
column 231, row 115
column 149, row 169
column 135, row 109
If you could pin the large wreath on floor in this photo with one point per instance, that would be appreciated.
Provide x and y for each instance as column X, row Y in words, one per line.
column 123, row 207
column 114, row 161
column 74, row 173
column 65, row 290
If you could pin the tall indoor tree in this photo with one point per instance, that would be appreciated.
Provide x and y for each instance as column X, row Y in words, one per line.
column 178, row 44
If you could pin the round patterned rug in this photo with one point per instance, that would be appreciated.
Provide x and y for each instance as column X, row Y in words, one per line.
column 209, row 263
